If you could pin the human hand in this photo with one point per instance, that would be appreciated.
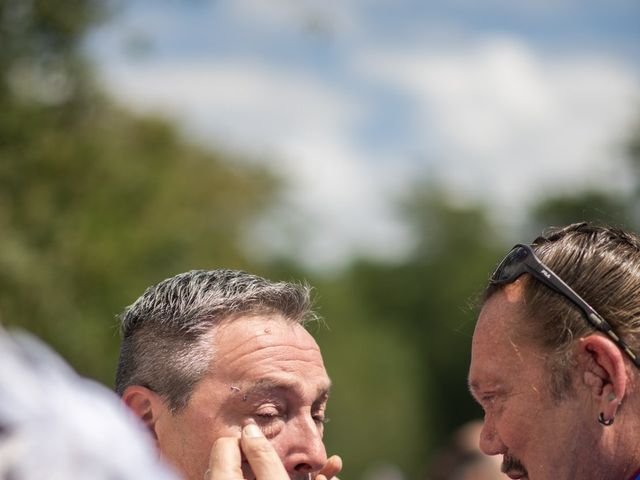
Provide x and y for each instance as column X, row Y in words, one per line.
column 225, row 462
column 330, row 469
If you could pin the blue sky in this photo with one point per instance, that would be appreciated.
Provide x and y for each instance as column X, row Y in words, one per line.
column 352, row 101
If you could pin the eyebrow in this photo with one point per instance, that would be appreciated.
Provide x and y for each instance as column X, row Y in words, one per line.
column 267, row 386
column 477, row 387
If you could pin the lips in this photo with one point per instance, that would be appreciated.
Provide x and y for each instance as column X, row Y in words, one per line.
column 515, row 474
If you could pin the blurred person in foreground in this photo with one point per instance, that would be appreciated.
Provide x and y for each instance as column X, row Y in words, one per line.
column 554, row 357
column 462, row 459
column 56, row 425
column 208, row 354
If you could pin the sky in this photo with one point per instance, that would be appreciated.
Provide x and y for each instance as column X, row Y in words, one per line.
column 352, row 102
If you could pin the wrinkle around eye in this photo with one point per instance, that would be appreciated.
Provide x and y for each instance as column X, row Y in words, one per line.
column 270, row 424
column 321, row 419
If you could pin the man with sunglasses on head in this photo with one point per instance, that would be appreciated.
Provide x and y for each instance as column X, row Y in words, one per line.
column 554, row 357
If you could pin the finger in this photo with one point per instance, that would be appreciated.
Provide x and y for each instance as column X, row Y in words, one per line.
column 332, row 467
column 262, row 457
column 224, row 461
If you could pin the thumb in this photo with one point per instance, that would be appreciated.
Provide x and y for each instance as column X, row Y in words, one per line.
column 331, row 468
column 262, row 457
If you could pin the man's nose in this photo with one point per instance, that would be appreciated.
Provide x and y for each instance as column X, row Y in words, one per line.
column 490, row 442
column 305, row 449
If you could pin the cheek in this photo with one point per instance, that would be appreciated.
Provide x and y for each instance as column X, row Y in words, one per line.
column 271, row 427
column 206, row 428
column 511, row 431
column 184, row 447
column 191, row 436
column 281, row 434
column 297, row 434
column 519, row 426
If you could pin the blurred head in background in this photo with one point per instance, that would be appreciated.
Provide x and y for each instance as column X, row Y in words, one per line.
column 461, row 458
column 206, row 351
column 554, row 361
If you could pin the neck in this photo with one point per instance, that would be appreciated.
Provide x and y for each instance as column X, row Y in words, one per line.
column 621, row 449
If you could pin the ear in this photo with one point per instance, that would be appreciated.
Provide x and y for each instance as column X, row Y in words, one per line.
column 605, row 372
column 146, row 405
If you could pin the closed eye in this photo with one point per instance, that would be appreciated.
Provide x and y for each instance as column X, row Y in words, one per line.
column 320, row 418
column 269, row 412
column 487, row 398
column 267, row 416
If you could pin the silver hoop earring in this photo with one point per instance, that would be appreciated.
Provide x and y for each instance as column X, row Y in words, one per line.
column 604, row 421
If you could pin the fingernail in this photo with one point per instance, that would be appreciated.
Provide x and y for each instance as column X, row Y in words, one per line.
column 252, row 430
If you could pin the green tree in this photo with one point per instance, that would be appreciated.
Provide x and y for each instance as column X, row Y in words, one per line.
column 400, row 333
column 598, row 205
column 96, row 203
column 592, row 205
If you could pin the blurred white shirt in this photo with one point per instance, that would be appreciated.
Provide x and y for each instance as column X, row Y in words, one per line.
column 55, row 425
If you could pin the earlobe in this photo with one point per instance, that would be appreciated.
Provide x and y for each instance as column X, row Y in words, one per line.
column 605, row 373
column 145, row 404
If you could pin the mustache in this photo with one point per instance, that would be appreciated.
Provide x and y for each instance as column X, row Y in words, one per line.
column 513, row 465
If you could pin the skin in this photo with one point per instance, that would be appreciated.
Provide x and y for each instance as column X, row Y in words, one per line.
column 539, row 436
column 266, row 371
column 226, row 458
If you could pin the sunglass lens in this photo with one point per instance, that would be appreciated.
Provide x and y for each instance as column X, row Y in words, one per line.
column 511, row 267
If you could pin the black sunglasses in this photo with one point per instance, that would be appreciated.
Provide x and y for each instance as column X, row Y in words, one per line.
column 522, row 259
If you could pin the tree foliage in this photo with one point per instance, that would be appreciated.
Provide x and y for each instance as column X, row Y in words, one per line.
column 424, row 307
column 96, row 203
column 599, row 205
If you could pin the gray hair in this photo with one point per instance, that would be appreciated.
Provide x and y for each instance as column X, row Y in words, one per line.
column 603, row 266
column 167, row 332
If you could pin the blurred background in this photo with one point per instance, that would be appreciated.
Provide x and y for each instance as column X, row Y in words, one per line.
column 388, row 151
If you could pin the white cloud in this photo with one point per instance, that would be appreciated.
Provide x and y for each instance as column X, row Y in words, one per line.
column 507, row 122
column 335, row 203
column 244, row 104
column 503, row 122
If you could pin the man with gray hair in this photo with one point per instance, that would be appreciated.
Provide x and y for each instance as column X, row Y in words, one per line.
column 206, row 353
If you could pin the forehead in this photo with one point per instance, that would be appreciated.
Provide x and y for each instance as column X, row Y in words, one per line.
column 267, row 349
column 497, row 357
